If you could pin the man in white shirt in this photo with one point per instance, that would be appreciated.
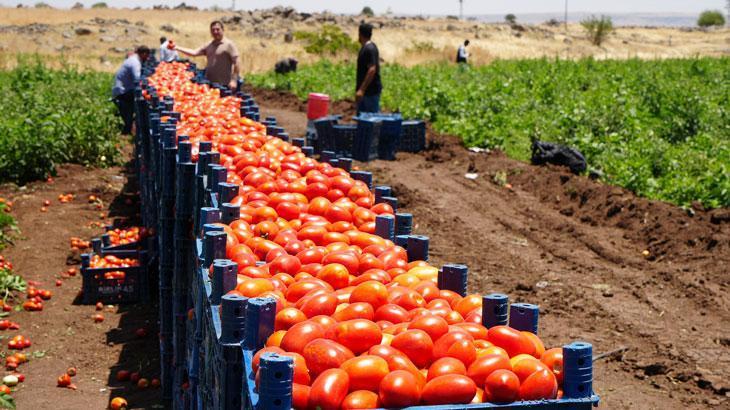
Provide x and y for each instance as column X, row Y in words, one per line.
column 166, row 54
column 125, row 81
column 462, row 56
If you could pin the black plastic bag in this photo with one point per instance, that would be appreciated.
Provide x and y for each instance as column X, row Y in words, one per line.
column 549, row 153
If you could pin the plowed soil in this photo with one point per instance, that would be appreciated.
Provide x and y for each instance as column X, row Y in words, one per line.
column 624, row 273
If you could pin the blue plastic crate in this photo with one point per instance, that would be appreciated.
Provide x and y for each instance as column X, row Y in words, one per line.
column 344, row 137
column 133, row 288
column 367, row 137
column 325, row 134
column 390, row 132
column 413, row 136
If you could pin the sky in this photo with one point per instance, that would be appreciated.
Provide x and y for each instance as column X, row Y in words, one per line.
column 436, row 7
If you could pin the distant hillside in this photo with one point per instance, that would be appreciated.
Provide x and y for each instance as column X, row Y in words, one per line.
column 627, row 19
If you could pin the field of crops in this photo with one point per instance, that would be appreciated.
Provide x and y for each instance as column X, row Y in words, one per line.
column 52, row 117
column 659, row 128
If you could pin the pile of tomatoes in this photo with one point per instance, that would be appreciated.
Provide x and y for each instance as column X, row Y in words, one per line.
column 365, row 327
column 111, row 261
column 124, row 236
column 5, row 264
column 79, row 244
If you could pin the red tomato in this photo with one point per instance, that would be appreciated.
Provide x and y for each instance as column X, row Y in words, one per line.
column 323, row 304
column 323, row 354
column 502, row 386
column 361, row 399
column 510, row 340
column 335, row 274
column 300, row 334
column 442, row 345
column 433, row 325
column 358, row 335
column 539, row 385
column 463, row 350
column 365, row 372
column 288, row 317
column 539, row 346
column 348, row 259
column 399, row 388
column 372, row 292
column 329, row 389
column 355, row 311
column 300, row 396
column 524, row 368
column 485, row 365
column 449, row 389
column 445, row 365
column 416, row 344
column 392, row 313
column 553, row 359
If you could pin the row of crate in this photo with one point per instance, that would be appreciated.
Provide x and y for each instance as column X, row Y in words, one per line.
column 206, row 339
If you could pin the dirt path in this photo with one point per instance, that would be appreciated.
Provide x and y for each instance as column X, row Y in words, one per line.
column 575, row 247
column 64, row 332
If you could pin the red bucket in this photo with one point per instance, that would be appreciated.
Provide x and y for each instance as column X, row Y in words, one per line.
column 318, row 105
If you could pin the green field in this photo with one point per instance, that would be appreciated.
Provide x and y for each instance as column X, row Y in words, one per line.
column 51, row 117
column 659, row 128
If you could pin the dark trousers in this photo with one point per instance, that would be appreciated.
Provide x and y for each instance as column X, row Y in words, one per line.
column 369, row 103
column 125, row 104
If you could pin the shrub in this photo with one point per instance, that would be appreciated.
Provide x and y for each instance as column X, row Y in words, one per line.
column 330, row 39
column 710, row 18
column 510, row 19
column 42, row 5
column 52, row 117
column 420, row 47
column 597, row 29
column 99, row 5
column 367, row 12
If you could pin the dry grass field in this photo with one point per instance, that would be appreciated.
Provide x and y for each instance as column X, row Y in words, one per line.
column 55, row 35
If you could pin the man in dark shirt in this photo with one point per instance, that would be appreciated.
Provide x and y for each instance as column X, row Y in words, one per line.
column 368, row 86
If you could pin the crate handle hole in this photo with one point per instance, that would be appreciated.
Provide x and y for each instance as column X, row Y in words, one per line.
column 581, row 388
column 237, row 311
column 581, row 361
column 277, row 402
column 236, row 334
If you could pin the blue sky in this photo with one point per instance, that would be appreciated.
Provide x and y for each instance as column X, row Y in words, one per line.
column 434, row 6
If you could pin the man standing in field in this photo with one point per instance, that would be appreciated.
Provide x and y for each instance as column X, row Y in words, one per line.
column 125, row 81
column 368, row 86
column 462, row 57
column 167, row 53
column 222, row 55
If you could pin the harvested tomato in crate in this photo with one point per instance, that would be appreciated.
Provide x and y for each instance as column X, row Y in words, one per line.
column 118, row 277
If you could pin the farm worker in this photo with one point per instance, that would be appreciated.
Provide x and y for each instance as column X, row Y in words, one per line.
column 368, row 85
column 166, row 54
column 461, row 55
column 125, row 81
column 222, row 55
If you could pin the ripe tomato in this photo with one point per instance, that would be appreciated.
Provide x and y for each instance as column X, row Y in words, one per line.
column 300, row 334
column 502, row 386
column 361, row 399
column 355, row 311
column 300, row 396
column 510, row 340
column 539, row 385
column 322, row 304
column 463, row 350
column 485, row 365
column 365, row 372
column 358, row 335
column 335, row 274
column 392, row 313
column 539, row 346
column 524, row 368
column 443, row 344
column 329, row 389
column 416, row 344
column 433, row 325
column 399, row 388
column 449, row 389
column 553, row 359
column 323, row 354
column 372, row 292
column 445, row 365
column 288, row 317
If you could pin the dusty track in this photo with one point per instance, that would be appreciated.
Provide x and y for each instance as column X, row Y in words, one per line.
column 575, row 247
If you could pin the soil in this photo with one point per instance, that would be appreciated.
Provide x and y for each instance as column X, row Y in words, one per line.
column 64, row 333
column 604, row 265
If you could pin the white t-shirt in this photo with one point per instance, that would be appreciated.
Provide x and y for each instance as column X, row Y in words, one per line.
column 166, row 54
column 462, row 52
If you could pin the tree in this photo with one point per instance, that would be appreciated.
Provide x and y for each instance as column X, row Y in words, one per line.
column 710, row 18
column 367, row 11
column 597, row 29
column 510, row 18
